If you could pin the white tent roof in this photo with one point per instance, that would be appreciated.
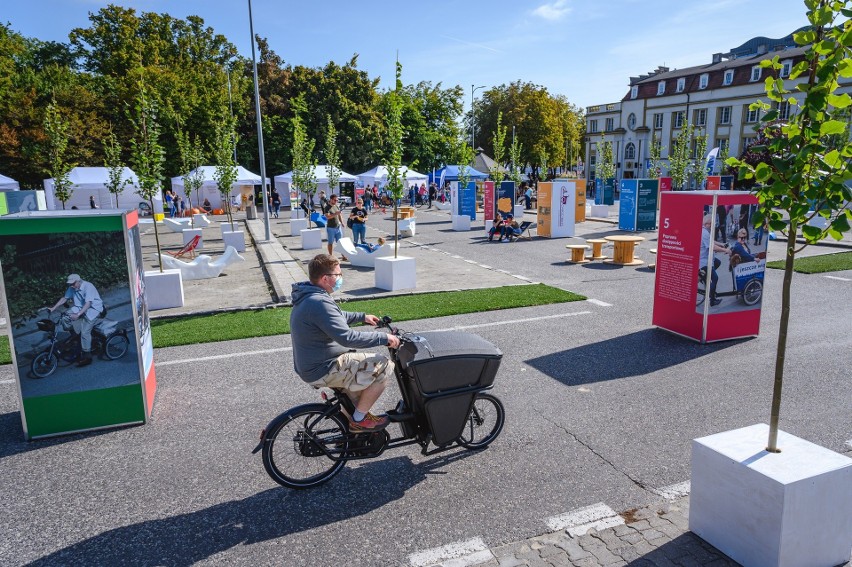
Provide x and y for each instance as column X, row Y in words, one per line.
column 7, row 183
column 321, row 174
column 244, row 176
column 95, row 177
column 379, row 175
column 92, row 182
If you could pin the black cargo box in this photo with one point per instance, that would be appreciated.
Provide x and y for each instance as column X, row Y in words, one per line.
column 447, row 360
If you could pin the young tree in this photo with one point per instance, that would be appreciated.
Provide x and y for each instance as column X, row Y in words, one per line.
column 654, row 152
column 699, row 171
column 679, row 160
column 191, row 156
column 605, row 166
column 396, row 178
column 514, row 158
column 225, row 173
column 113, row 163
column 147, row 154
column 56, row 128
column 809, row 155
column 304, row 178
column 498, row 172
column 332, row 155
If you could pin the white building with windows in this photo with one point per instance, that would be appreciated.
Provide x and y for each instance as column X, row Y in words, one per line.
column 714, row 97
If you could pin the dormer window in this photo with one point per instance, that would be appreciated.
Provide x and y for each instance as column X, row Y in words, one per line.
column 634, row 91
column 786, row 67
column 755, row 73
column 661, row 88
column 729, row 77
column 681, row 84
column 703, row 80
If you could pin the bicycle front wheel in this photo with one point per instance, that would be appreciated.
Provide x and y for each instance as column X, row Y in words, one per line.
column 484, row 422
column 116, row 347
column 44, row 365
column 296, row 446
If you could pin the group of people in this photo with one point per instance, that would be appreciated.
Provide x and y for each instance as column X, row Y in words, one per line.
column 507, row 227
column 175, row 204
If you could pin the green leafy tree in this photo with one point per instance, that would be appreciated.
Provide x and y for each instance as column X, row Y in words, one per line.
column 605, row 168
column 654, row 152
column 147, row 154
column 304, row 178
column 699, row 171
column 396, row 178
column 56, row 128
column 332, row 155
column 515, row 151
column 115, row 166
column 809, row 155
column 680, row 161
column 498, row 172
column 225, row 173
column 191, row 157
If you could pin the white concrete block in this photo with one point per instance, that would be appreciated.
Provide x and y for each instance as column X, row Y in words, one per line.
column 312, row 238
column 396, row 273
column 298, row 225
column 237, row 239
column 519, row 213
column 771, row 509
column 488, row 224
column 297, row 213
column 407, row 227
column 190, row 233
column 200, row 220
column 461, row 223
column 163, row 289
column 229, row 227
column 600, row 211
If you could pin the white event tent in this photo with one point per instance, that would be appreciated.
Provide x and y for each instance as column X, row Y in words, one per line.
column 284, row 183
column 92, row 181
column 244, row 185
column 379, row 176
column 8, row 184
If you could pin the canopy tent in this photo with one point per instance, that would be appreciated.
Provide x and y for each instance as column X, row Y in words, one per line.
column 379, row 176
column 483, row 162
column 284, row 183
column 92, row 182
column 451, row 173
column 8, row 184
column 242, row 187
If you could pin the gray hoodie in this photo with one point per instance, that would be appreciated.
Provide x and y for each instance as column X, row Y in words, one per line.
column 320, row 331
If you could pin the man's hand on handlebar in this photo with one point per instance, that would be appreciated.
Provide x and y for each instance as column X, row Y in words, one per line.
column 393, row 341
column 371, row 320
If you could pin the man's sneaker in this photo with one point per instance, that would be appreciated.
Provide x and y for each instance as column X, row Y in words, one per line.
column 715, row 302
column 369, row 423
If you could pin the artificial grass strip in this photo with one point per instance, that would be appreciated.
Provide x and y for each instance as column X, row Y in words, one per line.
column 837, row 262
column 267, row 322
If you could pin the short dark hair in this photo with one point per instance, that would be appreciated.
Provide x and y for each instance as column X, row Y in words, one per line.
column 320, row 265
column 332, row 196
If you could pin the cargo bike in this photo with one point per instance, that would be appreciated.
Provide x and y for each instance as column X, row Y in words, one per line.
column 443, row 377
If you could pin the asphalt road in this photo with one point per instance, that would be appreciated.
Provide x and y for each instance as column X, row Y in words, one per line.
column 601, row 407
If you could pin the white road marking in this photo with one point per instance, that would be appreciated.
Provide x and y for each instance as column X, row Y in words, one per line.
column 838, row 278
column 513, row 321
column 460, row 550
column 4, row 382
column 599, row 303
column 849, row 444
column 221, row 356
column 598, row 516
column 673, row 491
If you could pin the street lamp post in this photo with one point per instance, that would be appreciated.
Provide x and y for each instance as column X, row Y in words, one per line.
column 472, row 117
column 259, row 131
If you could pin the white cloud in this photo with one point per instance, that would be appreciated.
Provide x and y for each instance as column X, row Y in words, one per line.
column 553, row 11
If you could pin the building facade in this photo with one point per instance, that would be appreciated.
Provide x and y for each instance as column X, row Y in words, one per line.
column 714, row 98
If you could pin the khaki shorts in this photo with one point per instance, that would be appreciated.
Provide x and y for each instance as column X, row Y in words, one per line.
column 355, row 371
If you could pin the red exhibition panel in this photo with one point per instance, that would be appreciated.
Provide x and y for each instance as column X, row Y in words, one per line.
column 488, row 200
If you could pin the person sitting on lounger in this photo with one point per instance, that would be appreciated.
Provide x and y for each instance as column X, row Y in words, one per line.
column 370, row 248
column 510, row 229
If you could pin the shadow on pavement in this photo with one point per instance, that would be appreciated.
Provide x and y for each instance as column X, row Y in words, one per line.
column 639, row 353
column 12, row 440
column 686, row 549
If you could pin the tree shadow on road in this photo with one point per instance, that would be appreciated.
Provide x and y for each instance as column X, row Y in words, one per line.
column 636, row 354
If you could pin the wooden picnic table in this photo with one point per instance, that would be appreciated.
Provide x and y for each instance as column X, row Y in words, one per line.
column 623, row 246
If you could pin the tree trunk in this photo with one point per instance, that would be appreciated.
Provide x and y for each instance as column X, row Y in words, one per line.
column 781, row 350
column 156, row 235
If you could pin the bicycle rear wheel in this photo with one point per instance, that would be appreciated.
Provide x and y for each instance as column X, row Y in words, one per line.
column 295, row 445
column 484, row 422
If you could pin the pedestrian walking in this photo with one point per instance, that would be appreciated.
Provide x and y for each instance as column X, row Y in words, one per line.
column 358, row 222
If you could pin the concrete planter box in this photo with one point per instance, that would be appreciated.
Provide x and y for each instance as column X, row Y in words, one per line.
column 229, row 227
column 190, row 233
column 771, row 509
column 600, row 211
column 297, row 226
column 236, row 239
column 519, row 213
column 407, row 227
column 297, row 213
column 461, row 223
column 395, row 273
column 163, row 289
column 312, row 238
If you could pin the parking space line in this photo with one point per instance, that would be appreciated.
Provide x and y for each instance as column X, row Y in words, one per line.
column 673, row 491
column 599, row 303
column 473, row 551
column 577, row 522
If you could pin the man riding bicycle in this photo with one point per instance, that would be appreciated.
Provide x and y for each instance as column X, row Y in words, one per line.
column 87, row 307
column 323, row 344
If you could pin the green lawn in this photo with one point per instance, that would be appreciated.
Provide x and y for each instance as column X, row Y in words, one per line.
column 818, row 264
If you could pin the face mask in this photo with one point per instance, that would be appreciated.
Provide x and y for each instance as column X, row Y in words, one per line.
column 338, row 284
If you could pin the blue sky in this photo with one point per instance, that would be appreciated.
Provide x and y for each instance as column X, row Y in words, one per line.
column 585, row 50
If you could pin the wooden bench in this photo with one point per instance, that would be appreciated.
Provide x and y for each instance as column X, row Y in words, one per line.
column 597, row 249
column 578, row 253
